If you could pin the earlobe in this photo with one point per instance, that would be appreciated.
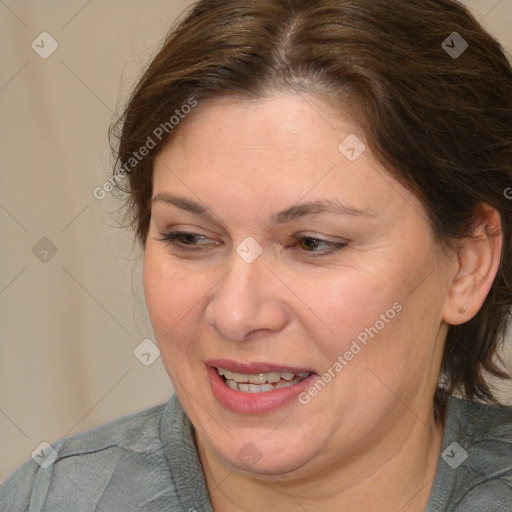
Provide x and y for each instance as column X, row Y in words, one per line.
column 478, row 261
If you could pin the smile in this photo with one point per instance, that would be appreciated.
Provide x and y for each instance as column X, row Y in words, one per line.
column 260, row 382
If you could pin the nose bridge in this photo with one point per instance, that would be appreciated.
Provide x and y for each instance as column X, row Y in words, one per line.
column 242, row 283
column 245, row 300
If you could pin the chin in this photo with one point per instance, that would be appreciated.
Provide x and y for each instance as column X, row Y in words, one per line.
column 266, row 461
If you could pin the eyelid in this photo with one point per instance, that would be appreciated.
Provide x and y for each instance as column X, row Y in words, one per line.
column 331, row 247
column 323, row 238
column 202, row 242
column 328, row 240
column 170, row 238
column 185, row 228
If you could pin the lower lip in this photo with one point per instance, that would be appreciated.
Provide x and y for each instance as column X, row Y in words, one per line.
column 255, row 403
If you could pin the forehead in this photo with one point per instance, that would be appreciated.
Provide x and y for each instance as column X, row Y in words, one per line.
column 285, row 134
column 279, row 149
column 284, row 122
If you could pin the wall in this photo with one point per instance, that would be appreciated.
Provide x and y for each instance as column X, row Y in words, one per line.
column 71, row 306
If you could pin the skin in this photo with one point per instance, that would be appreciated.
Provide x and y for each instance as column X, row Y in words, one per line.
column 368, row 440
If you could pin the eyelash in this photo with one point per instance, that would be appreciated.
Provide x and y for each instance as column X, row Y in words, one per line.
column 172, row 239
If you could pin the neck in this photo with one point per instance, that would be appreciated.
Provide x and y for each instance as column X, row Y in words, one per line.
column 398, row 474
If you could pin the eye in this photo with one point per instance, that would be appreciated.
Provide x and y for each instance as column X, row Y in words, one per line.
column 319, row 246
column 186, row 240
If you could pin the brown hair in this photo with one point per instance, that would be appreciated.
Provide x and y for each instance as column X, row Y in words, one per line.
column 441, row 123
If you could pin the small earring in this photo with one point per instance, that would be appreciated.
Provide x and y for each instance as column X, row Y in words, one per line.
column 462, row 310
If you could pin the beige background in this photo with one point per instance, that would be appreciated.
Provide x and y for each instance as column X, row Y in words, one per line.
column 70, row 324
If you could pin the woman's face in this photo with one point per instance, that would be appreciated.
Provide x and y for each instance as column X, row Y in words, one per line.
column 298, row 268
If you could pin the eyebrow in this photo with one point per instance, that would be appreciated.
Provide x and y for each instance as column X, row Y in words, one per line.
column 322, row 206
column 183, row 204
column 288, row 215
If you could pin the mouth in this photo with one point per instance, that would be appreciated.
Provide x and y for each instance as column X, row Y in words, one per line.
column 260, row 382
column 258, row 387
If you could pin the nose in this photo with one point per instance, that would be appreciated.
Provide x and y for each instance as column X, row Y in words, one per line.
column 247, row 301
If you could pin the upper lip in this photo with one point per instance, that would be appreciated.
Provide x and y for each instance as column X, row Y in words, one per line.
column 256, row 367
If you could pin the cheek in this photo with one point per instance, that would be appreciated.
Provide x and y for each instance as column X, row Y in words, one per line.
column 172, row 297
column 367, row 320
column 386, row 342
column 173, row 301
column 348, row 302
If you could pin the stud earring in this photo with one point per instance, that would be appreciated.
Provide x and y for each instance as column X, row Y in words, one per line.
column 462, row 310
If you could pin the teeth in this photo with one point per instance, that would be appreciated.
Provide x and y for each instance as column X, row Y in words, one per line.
column 260, row 382
column 239, row 377
column 232, row 384
column 257, row 378
column 264, row 387
column 273, row 377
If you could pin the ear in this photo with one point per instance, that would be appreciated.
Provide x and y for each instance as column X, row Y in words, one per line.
column 478, row 261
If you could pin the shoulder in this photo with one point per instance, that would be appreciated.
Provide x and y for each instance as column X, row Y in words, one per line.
column 79, row 472
column 475, row 467
column 136, row 432
column 486, row 431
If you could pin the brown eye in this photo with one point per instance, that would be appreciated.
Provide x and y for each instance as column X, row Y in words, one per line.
column 190, row 238
column 319, row 246
column 310, row 244
column 187, row 241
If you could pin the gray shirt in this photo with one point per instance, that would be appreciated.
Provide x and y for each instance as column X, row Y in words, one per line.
column 148, row 462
